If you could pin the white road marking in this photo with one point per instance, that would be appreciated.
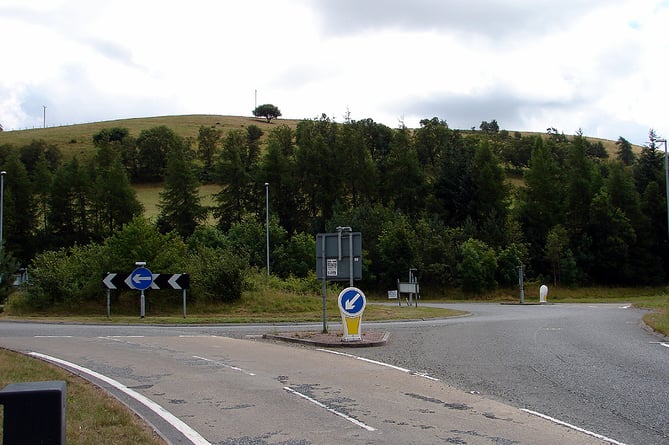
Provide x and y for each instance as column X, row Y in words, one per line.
column 123, row 336
column 627, row 306
column 120, row 338
column 167, row 416
column 573, row 427
column 332, row 410
column 198, row 336
column 666, row 345
column 53, row 336
column 387, row 365
column 225, row 365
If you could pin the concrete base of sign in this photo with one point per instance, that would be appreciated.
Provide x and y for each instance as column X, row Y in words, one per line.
column 332, row 340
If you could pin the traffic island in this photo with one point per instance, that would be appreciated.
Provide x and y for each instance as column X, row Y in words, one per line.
column 331, row 339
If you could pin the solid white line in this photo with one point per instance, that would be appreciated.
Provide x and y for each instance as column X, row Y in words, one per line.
column 170, row 418
column 666, row 345
column 234, row 368
column 374, row 362
column 573, row 427
column 333, row 411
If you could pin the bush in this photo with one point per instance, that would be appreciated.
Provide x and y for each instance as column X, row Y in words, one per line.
column 66, row 276
column 477, row 267
column 217, row 275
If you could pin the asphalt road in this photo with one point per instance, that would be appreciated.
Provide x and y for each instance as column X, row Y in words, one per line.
column 591, row 366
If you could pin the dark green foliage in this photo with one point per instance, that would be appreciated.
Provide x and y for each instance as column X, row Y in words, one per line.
column 113, row 201
column 31, row 153
column 19, row 223
column 625, row 152
column 153, row 146
column 67, row 277
column 477, row 267
column 279, row 171
column 431, row 198
column 68, row 217
column 398, row 250
column 180, row 208
column 404, row 184
column 218, row 274
column 509, row 260
column 208, row 145
column 9, row 265
column 295, row 257
column 437, row 247
column 140, row 240
column 268, row 111
column 235, row 173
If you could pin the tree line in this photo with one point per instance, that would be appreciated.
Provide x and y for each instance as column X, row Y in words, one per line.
column 464, row 207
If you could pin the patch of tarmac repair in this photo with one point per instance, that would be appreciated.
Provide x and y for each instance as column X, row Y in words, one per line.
column 261, row 440
column 494, row 440
column 456, row 406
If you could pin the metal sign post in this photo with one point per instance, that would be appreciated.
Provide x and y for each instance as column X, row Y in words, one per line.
column 141, row 279
column 338, row 261
column 144, row 279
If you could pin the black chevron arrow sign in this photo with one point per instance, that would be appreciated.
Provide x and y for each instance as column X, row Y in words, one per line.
column 177, row 281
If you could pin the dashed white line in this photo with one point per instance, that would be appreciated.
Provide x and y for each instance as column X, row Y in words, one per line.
column 225, row 365
column 573, row 427
column 375, row 362
column 332, row 410
column 170, row 418
column 52, row 336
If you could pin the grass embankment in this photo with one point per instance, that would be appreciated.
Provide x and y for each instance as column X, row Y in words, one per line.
column 92, row 416
column 77, row 139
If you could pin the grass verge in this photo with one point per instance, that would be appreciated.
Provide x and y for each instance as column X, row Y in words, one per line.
column 93, row 416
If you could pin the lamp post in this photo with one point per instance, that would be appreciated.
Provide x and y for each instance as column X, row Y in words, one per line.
column 2, row 203
column 267, row 224
column 666, row 177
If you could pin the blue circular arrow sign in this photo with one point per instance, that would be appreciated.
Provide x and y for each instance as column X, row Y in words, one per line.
column 352, row 301
column 141, row 278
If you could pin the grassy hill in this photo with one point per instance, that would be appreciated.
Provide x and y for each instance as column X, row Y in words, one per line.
column 77, row 140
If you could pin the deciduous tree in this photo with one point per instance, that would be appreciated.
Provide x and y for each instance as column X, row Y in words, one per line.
column 268, row 111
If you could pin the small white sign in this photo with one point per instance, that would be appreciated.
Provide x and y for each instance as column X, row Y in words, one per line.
column 392, row 294
column 332, row 267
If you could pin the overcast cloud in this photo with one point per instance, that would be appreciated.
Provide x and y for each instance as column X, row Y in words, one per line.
column 530, row 64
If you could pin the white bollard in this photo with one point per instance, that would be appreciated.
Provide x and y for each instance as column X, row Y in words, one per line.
column 543, row 293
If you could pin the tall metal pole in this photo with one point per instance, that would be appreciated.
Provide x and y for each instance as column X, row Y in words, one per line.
column 666, row 178
column 666, row 181
column 44, row 106
column 267, row 224
column 2, row 203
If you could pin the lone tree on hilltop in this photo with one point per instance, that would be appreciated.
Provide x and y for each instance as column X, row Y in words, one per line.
column 268, row 111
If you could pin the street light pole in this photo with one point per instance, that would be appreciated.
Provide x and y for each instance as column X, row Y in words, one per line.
column 2, row 202
column 666, row 178
column 267, row 224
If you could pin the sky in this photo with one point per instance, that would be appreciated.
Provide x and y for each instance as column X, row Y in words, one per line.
column 600, row 66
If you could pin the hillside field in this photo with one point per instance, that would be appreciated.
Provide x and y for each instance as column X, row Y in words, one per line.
column 77, row 140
